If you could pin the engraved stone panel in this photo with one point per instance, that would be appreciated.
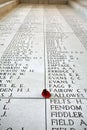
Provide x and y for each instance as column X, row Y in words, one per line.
column 43, row 47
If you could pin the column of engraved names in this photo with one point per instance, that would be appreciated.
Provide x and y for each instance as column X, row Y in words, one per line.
column 15, row 62
column 78, row 25
column 66, row 106
column 8, row 28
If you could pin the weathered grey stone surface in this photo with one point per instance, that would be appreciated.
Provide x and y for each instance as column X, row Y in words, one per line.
column 44, row 1
column 7, row 5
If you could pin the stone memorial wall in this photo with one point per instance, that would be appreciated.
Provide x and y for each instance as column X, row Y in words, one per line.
column 43, row 47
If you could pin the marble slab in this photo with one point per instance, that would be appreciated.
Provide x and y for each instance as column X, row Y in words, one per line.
column 43, row 47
